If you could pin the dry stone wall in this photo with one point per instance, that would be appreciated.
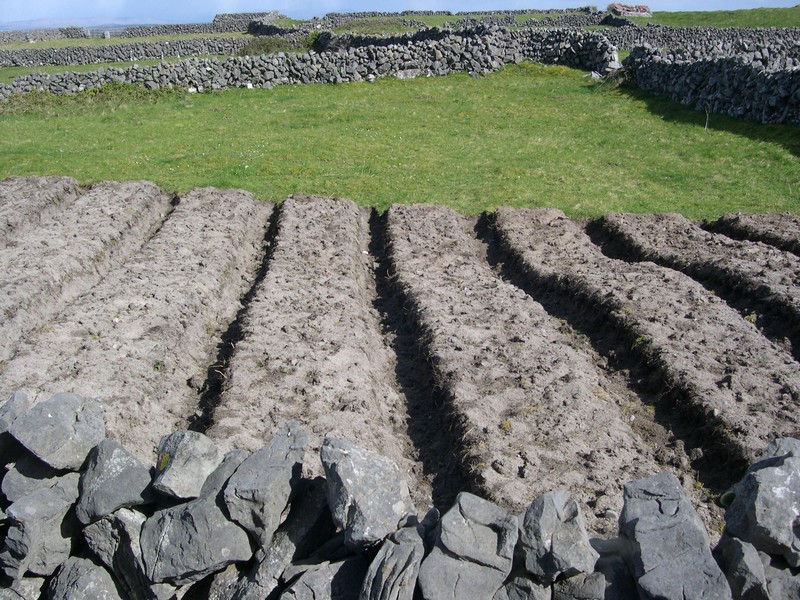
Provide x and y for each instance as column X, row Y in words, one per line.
column 706, row 39
column 123, row 52
column 728, row 85
column 35, row 35
column 83, row 513
column 479, row 52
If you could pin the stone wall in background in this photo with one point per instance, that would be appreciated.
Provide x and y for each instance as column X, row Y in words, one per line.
column 36, row 35
column 738, row 85
column 704, row 39
column 123, row 52
column 478, row 51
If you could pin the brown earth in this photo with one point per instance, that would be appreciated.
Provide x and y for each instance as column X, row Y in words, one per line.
column 508, row 360
column 780, row 230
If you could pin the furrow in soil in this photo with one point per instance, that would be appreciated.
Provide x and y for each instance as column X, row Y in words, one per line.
column 142, row 339
column 759, row 280
column 312, row 347
column 780, row 230
column 741, row 389
column 27, row 201
column 533, row 413
column 64, row 257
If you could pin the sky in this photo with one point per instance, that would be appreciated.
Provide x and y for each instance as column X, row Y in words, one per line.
column 202, row 11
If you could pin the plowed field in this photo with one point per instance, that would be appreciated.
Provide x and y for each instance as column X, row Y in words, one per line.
column 507, row 355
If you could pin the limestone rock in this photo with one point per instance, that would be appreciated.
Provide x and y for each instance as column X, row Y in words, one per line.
column 26, row 476
column 23, row 589
column 553, row 539
column 742, row 567
column 668, row 547
column 394, row 570
column 473, row 552
column 185, row 543
column 35, row 541
column 584, row 586
column 329, row 581
column 114, row 539
column 262, row 486
column 764, row 511
column 184, row 460
column 114, row 478
column 81, row 578
column 523, row 588
column 367, row 494
column 16, row 406
column 61, row 430
column 782, row 582
column 307, row 527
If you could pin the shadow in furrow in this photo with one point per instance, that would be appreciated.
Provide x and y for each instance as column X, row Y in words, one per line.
column 713, row 461
column 429, row 426
column 211, row 390
column 774, row 320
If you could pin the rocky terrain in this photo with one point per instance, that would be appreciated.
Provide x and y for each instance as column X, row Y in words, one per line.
column 517, row 368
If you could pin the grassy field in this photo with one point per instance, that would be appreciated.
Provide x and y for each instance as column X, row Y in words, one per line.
column 757, row 17
column 526, row 136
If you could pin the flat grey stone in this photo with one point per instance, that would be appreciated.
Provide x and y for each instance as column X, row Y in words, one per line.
column 114, row 478
column 394, row 570
column 307, row 527
column 61, row 430
column 329, row 581
column 35, row 541
column 184, row 460
column 667, row 545
column 764, row 511
column 26, row 476
column 16, row 406
column 620, row 584
column 553, row 542
column 523, row 588
column 114, row 539
column 584, row 586
column 781, row 582
column 81, row 578
column 368, row 495
column 262, row 486
column 23, row 589
column 742, row 567
column 185, row 543
column 473, row 552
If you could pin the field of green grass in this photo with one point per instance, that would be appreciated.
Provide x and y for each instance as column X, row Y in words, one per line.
column 526, row 136
column 756, row 17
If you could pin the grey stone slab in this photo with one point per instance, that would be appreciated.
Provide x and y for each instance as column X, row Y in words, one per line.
column 367, row 494
column 668, row 549
column 113, row 479
column 329, row 581
column 553, row 542
column 36, row 542
column 23, row 589
column 782, row 581
column 27, row 475
column 184, row 460
column 61, row 430
column 583, row 586
column 81, row 578
column 114, row 539
column 764, row 511
column 473, row 551
column 262, row 486
column 17, row 405
column 307, row 527
column 392, row 574
column 742, row 567
column 185, row 543
column 521, row 587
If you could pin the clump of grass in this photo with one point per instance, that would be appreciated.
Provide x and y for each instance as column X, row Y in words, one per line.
column 273, row 44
